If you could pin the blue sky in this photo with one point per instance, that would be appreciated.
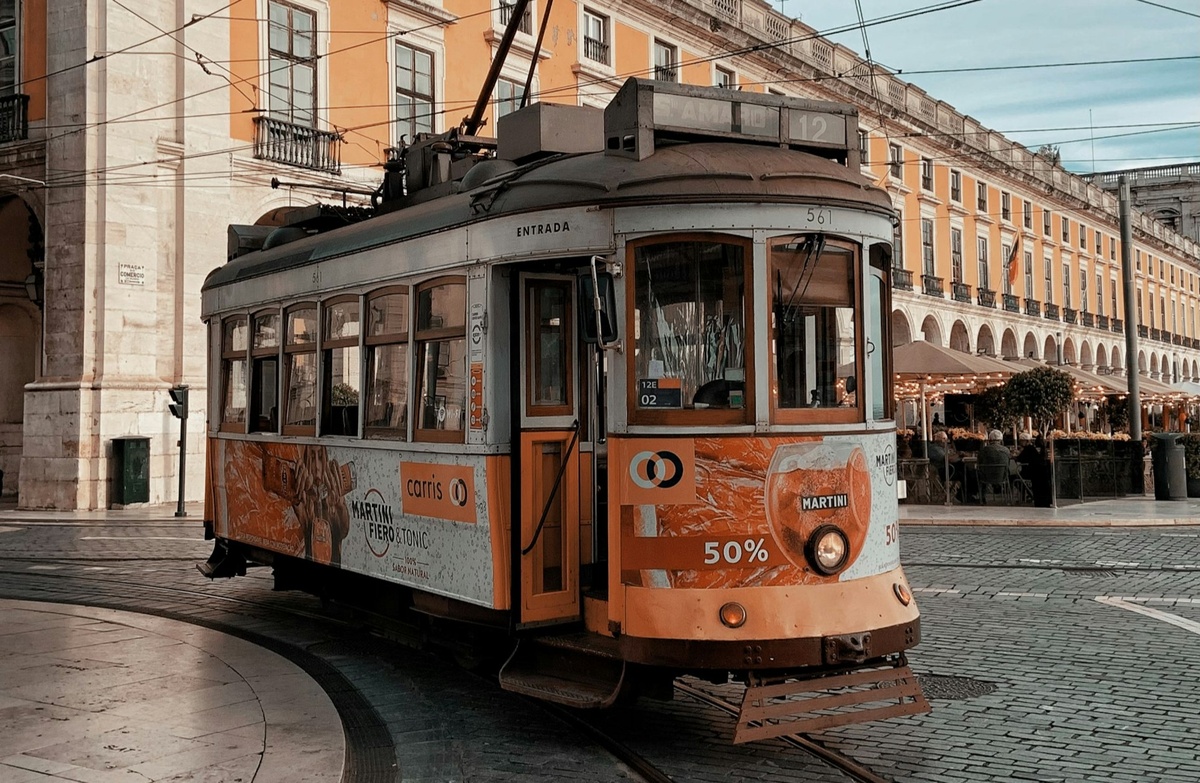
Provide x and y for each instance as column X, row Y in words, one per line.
column 1037, row 106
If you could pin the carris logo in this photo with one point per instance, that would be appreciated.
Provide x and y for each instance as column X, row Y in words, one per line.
column 458, row 492
column 651, row 469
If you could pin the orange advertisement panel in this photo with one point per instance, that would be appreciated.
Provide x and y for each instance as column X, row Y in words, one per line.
column 657, row 471
column 757, row 501
column 438, row 491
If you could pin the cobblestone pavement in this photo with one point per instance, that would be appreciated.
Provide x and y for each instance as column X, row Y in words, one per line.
column 1031, row 677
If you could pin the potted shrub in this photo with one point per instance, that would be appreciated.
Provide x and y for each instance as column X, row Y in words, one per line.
column 1042, row 394
column 1191, row 458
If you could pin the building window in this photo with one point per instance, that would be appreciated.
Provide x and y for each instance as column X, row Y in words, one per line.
column 896, row 161
column 1028, row 275
column 1066, row 285
column 898, row 242
column 595, row 36
column 1082, row 237
column 700, row 287
column 1112, row 248
column 981, row 198
column 1049, row 280
column 1006, row 276
column 1066, row 229
column 1006, row 206
column 926, row 174
column 956, row 254
column 1112, row 288
column 341, row 362
column 10, row 42
column 1083, row 290
column 928, row 267
column 300, row 371
column 1099, row 243
column 1027, row 207
column 956, row 185
column 414, row 92
column 864, row 147
column 387, row 364
column 292, row 39
column 526, row 25
column 264, row 373
column 724, row 78
column 666, row 62
column 440, row 349
column 1137, row 254
column 981, row 249
column 508, row 97
column 1099, row 294
column 234, row 341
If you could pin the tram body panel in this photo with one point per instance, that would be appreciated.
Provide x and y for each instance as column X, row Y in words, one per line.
column 425, row 520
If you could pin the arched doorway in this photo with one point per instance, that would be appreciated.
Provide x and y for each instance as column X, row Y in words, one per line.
column 1008, row 344
column 959, row 339
column 1030, row 349
column 901, row 330
column 1101, row 357
column 1050, row 350
column 931, row 331
column 1114, row 361
column 20, row 327
column 1153, row 365
column 1069, row 351
column 985, row 343
column 1085, row 356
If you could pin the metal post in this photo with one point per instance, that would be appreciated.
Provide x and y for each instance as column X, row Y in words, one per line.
column 1131, row 338
column 1053, row 474
column 179, row 512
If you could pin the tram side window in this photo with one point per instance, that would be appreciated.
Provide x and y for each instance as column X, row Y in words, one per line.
column 440, row 347
column 877, row 324
column 264, row 373
column 387, row 365
column 233, row 374
column 814, row 333
column 690, row 327
column 341, row 364
column 300, row 367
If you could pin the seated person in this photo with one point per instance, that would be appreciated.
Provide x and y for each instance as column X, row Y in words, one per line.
column 994, row 452
column 942, row 453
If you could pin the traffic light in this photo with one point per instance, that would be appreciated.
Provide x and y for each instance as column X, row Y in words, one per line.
column 178, row 406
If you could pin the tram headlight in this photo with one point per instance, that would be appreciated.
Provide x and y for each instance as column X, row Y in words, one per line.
column 828, row 549
column 733, row 615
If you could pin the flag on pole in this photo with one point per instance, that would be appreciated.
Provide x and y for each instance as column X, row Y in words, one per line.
column 1012, row 263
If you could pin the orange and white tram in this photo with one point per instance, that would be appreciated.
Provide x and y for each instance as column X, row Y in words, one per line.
column 617, row 387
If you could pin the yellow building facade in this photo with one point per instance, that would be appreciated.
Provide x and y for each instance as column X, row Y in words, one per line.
column 131, row 136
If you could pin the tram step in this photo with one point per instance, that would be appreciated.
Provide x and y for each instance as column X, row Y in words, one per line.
column 571, row 676
column 775, row 708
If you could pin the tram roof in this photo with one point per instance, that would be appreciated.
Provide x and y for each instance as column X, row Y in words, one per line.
column 685, row 173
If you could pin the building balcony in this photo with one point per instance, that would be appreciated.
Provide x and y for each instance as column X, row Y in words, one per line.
column 985, row 297
column 960, row 291
column 1177, row 339
column 14, row 118
column 595, row 50
column 931, row 285
column 1070, row 315
column 1033, row 307
column 1155, row 334
column 1088, row 318
column 1051, row 311
column 666, row 73
column 1102, row 322
column 506, row 9
column 297, row 145
column 1143, row 331
column 1118, row 325
column 902, row 279
column 1012, row 303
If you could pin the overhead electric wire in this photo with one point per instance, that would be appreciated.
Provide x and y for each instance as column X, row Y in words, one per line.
column 1169, row 8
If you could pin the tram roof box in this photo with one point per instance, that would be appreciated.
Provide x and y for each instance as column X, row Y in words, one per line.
column 544, row 129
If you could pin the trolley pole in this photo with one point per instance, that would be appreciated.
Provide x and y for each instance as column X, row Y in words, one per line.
column 179, row 409
column 1131, row 337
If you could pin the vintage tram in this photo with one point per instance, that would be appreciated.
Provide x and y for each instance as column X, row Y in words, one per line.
column 615, row 386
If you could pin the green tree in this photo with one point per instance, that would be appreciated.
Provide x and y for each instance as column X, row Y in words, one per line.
column 991, row 407
column 1041, row 394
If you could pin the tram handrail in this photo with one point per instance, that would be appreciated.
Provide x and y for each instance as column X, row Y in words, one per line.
column 537, row 533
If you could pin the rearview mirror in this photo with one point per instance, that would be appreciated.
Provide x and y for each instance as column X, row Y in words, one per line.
column 607, row 308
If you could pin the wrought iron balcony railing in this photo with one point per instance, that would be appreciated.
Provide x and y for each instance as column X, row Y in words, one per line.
column 1177, row 339
column 14, row 118
column 960, row 291
column 506, row 9
column 1051, row 311
column 666, row 73
column 1089, row 319
column 1143, row 331
column 1033, row 307
column 595, row 50
column 931, row 285
column 1070, row 314
column 1102, row 322
column 902, row 279
column 296, row 145
column 1155, row 334
column 985, row 297
column 1118, row 325
column 1012, row 303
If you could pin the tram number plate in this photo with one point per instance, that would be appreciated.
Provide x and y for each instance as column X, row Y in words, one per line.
column 660, row 393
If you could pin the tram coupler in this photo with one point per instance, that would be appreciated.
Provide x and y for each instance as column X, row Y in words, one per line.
column 846, row 648
column 223, row 563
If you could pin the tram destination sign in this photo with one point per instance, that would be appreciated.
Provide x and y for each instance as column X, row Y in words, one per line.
column 660, row 393
column 738, row 118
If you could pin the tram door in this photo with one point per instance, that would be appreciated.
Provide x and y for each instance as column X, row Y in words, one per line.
column 551, row 478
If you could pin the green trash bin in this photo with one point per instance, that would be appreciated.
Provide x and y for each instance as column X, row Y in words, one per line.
column 131, row 454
